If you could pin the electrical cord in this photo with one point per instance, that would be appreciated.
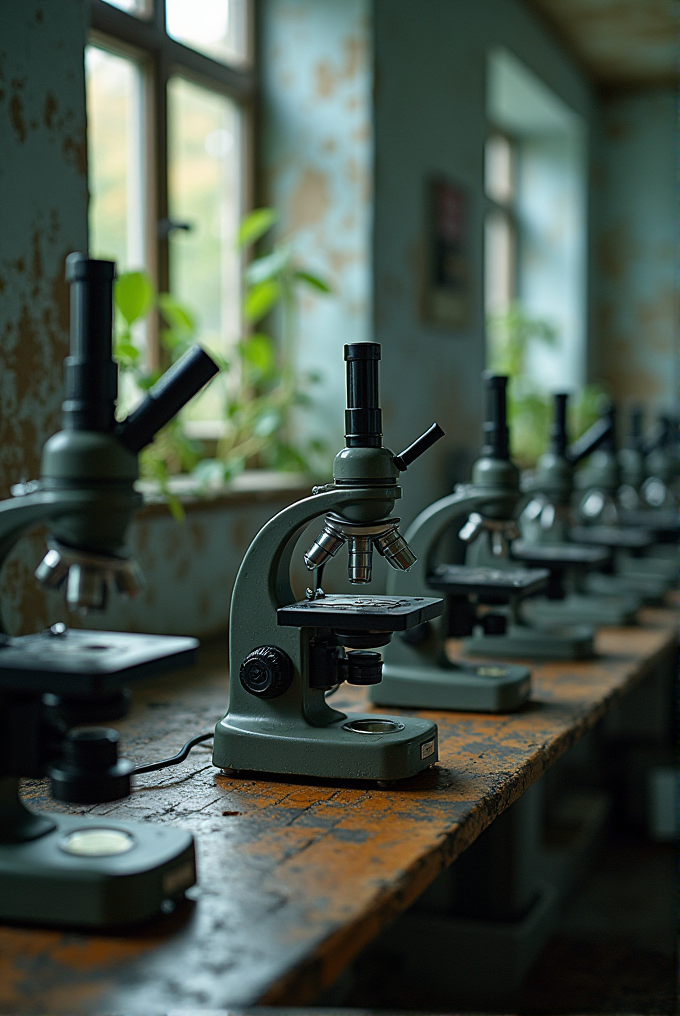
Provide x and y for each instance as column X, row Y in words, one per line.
column 174, row 760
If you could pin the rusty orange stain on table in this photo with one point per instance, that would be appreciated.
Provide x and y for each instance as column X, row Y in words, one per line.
column 296, row 876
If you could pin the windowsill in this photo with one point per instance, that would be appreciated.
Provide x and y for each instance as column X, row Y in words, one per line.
column 254, row 486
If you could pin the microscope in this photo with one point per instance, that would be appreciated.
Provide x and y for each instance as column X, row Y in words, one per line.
column 418, row 672
column 603, row 521
column 545, row 524
column 286, row 655
column 58, row 687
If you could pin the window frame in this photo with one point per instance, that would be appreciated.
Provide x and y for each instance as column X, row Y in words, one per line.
column 143, row 38
column 507, row 209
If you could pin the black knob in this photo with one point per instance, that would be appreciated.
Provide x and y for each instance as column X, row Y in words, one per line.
column 494, row 624
column 89, row 770
column 364, row 667
column 266, row 672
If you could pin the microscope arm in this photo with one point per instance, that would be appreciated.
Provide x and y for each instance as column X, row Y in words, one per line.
column 18, row 514
column 427, row 530
column 264, row 575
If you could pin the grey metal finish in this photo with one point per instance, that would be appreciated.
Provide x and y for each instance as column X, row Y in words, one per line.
column 298, row 731
column 421, row 675
column 40, row 882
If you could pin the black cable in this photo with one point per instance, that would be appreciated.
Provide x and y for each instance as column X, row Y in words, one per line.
column 174, row 759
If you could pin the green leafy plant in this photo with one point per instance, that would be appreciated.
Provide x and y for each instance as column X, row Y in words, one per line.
column 530, row 410
column 265, row 388
column 260, row 387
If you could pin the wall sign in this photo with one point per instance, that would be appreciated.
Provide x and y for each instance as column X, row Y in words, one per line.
column 446, row 298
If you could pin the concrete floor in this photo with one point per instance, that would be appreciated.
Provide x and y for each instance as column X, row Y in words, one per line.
column 614, row 951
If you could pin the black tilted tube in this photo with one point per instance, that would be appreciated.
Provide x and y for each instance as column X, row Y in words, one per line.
column 558, row 434
column 363, row 416
column 177, row 386
column 91, row 380
column 495, row 428
column 589, row 442
column 420, row 445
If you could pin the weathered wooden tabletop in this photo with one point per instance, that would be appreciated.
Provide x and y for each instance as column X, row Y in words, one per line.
column 296, row 877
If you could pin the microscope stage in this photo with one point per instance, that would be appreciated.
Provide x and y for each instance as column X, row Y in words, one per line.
column 560, row 555
column 367, row 613
column 613, row 536
column 462, row 580
column 79, row 662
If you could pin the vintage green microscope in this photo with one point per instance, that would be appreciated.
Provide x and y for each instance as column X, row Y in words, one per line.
column 417, row 671
column 286, row 655
column 603, row 522
column 59, row 686
column 546, row 522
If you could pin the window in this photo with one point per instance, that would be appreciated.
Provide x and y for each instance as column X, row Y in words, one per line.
column 169, row 89
column 535, row 230
column 500, row 228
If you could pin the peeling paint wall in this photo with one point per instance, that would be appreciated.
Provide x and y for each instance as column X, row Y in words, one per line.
column 635, row 337
column 189, row 569
column 43, row 217
column 316, row 154
column 430, row 119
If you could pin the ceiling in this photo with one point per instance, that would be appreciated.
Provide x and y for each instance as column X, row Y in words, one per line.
column 619, row 42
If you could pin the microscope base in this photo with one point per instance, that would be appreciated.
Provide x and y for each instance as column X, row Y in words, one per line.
column 524, row 642
column 42, row 883
column 651, row 590
column 664, row 569
column 488, row 688
column 579, row 608
column 333, row 752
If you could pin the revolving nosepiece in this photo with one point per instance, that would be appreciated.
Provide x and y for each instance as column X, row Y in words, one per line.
column 88, row 577
column 361, row 539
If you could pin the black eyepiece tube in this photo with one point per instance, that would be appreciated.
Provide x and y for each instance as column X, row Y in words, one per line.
column 635, row 432
column 558, row 434
column 495, row 428
column 171, row 393
column 420, row 445
column 363, row 416
column 91, row 375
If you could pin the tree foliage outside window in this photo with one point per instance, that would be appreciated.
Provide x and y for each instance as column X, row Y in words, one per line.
column 259, row 386
column 511, row 335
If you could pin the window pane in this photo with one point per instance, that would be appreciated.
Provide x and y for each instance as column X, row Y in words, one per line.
column 218, row 28
column 114, row 105
column 204, row 191
column 139, row 7
column 499, row 262
column 498, row 169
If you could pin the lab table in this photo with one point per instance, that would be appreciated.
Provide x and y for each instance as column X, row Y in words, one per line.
column 296, row 876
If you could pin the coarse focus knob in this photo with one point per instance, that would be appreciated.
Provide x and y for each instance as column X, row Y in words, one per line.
column 88, row 770
column 266, row 672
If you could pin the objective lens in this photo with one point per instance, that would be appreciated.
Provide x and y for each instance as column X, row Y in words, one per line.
column 52, row 570
column 396, row 550
column 360, row 564
column 129, row 579
column 86, row 589
column 472, row 528
column 324, row 547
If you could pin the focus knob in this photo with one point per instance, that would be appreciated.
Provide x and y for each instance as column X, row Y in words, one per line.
column 266, row 672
